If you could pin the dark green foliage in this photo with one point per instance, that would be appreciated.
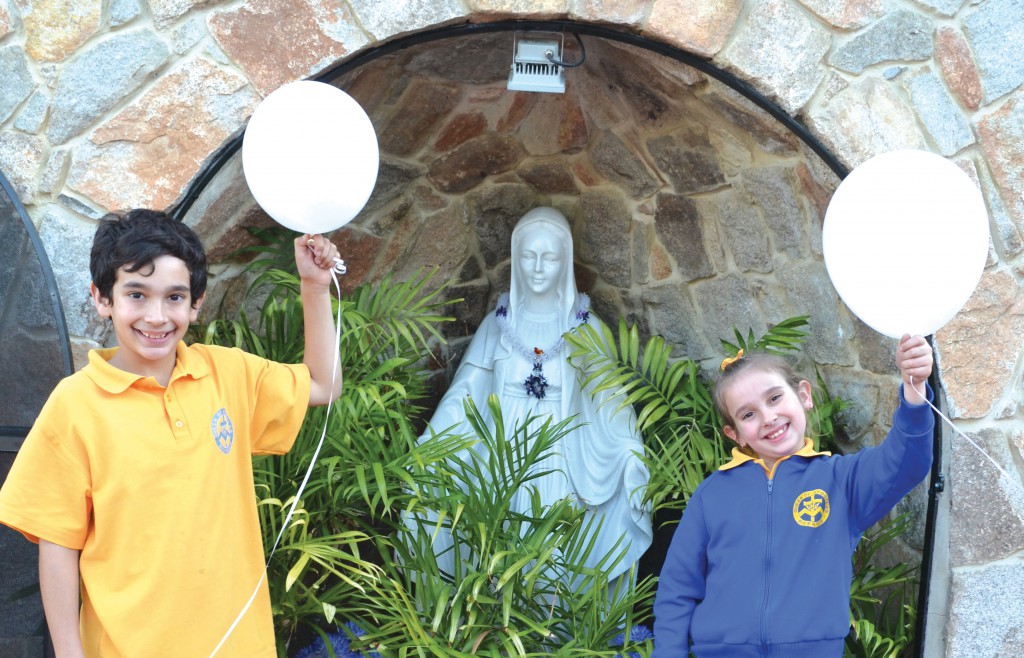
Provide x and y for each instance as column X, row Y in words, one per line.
column 520, row 589
column 348, row 553
column 882, row 599
column 351, row 552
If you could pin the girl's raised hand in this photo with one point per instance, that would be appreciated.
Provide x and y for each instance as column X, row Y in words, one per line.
column 914, row 359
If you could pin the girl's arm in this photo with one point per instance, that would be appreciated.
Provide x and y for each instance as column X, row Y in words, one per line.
column 914, row 359
column 681, row 584
column 60, row 589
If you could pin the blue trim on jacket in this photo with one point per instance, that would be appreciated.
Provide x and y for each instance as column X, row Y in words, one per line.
column 762, row 567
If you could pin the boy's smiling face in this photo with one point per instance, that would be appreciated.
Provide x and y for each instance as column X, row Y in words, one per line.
column 768, row 415
column 151, row 310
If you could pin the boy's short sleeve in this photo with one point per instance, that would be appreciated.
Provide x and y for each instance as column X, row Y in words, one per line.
column 279, row 403
column 47, row 494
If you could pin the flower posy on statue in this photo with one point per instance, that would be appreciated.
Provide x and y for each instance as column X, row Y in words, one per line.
column 535, row 384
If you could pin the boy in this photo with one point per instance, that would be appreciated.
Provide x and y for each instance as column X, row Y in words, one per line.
column 136, row 479
column 760, row 564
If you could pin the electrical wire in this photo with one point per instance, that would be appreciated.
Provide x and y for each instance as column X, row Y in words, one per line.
column 570, row 65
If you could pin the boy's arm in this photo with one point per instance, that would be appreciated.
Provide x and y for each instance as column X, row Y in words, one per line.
column 314, row 258
column 60, row 589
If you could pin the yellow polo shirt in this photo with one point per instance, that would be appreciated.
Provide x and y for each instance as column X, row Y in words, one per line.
column 154, row 486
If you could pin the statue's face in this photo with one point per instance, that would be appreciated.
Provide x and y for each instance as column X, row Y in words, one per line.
column 540, row 260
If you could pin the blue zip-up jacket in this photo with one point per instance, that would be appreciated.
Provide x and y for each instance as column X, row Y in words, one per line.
column 761, row 563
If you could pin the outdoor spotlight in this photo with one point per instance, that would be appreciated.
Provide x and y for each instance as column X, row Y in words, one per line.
column 537, row 62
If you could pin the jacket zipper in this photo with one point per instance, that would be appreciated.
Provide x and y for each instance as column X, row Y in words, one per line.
column 767, row 570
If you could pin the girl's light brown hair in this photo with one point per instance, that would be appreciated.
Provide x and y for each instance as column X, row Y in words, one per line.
column 752, row 362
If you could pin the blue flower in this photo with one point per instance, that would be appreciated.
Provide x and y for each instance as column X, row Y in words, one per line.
column 340, row 643
column 636, row 634
column 501, row 312
column 535, row 384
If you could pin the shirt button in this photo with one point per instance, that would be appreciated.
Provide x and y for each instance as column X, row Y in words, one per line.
column 178, row 424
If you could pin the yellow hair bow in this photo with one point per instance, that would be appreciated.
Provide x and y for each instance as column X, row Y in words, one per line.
column 729, row 360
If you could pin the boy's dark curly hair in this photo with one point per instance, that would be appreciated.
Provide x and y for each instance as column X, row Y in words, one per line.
column 134, row 239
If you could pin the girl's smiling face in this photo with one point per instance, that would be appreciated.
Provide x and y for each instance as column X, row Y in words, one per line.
column 766, row 414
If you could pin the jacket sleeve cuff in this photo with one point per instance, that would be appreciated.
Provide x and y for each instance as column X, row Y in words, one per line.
column 914, row 414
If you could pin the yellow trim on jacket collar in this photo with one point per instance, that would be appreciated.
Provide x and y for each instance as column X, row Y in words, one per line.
column 739, row 457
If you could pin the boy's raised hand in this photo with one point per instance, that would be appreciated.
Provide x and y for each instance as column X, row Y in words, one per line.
column 314, row 259
column 914, row 359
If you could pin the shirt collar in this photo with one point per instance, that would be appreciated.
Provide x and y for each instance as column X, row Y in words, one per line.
column 114, row 380
column 739, row 457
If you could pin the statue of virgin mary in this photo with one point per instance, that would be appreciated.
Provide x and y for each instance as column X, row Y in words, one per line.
column 519, row 354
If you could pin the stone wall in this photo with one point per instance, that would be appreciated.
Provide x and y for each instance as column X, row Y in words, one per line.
column 116, row 104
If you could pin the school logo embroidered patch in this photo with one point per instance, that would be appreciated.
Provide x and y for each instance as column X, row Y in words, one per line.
column 811, row 508
column 223, row 431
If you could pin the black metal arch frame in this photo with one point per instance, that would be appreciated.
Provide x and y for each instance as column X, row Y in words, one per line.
column 51, row 287
column 936, row 483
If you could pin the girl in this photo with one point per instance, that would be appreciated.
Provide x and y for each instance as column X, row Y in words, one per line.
column 760, row 563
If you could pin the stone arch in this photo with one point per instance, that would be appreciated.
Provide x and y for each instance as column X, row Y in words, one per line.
column 479, row 276
column 435, row 33
column 243, row 212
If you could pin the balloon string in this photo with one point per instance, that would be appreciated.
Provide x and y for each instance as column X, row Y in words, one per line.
column 339, row 268
column 964, row 436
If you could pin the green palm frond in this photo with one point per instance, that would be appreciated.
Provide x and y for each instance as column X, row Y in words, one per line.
column 781, row 338
column 672, row 401
column 678, row 460
column 406, row 310
column 824, row 419
column 308, row 570
column 882, row 607
column 662, row 390
column 871, row 643
column 273, row 248
column 521, row 588
column 361, row 477
column 871, row 579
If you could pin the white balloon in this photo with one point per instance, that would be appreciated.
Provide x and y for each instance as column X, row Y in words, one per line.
column 310, row 156
column 905, row 240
